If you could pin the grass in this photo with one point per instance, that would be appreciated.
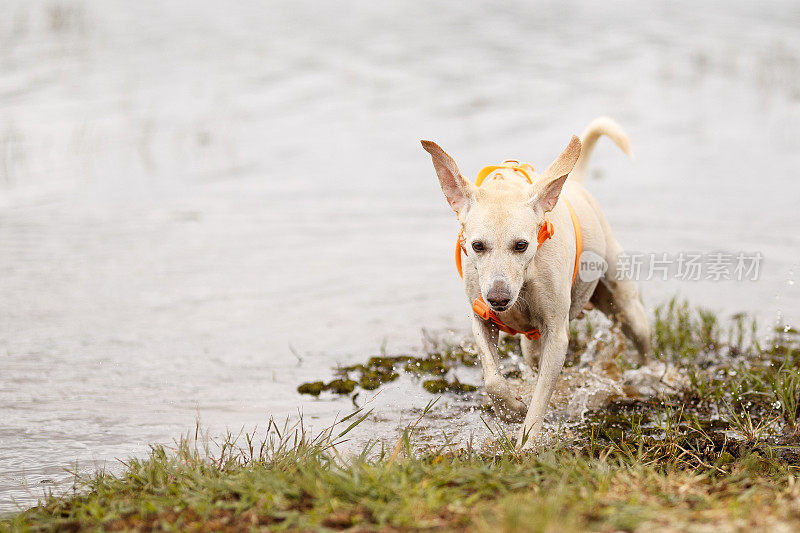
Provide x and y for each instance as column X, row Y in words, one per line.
column 720, row 453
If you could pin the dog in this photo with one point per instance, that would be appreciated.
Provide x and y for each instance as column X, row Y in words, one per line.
column 530, row 289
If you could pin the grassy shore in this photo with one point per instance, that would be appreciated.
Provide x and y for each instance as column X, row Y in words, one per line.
column 721, row 453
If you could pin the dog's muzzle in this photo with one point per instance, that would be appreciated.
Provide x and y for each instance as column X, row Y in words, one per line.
column 499, row 296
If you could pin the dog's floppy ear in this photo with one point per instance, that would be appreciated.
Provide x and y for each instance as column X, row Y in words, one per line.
column 556, row 174
column 456, row 188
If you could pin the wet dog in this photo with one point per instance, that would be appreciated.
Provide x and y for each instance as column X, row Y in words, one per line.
column 535, row 289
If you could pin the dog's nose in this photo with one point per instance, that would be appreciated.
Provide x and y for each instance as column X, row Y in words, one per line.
column 499, row 296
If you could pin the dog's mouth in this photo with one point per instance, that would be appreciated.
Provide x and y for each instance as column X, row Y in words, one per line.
column 500, row 308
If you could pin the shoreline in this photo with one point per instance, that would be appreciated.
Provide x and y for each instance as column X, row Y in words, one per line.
column 722, row 448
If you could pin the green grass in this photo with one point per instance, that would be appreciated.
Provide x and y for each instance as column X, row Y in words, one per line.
column 721, row 453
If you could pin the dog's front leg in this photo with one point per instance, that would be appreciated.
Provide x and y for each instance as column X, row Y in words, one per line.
column 554, row 351
column 506, row 403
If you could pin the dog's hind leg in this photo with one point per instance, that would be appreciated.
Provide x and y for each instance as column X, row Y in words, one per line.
column 531, row 351
column 506, row 403
column 619, row 300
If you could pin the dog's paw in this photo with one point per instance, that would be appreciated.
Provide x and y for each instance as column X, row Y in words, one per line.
column 508, row 405
column 529, row 443
column 532, row 439
column 511, row 412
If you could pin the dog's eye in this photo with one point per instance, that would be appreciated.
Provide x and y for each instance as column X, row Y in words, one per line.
column 520, row 246
column 478, row 246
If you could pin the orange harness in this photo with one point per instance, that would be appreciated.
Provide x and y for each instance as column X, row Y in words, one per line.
column 479, row 306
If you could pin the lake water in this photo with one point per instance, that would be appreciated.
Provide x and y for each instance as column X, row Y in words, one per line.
column 203, row 205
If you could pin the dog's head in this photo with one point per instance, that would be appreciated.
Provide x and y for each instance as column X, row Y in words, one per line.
column 501, row 222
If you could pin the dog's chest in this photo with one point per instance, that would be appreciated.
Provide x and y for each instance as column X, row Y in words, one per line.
column 520, row 317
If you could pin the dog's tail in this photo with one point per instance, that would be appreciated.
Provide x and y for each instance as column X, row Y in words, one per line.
column 599, row 126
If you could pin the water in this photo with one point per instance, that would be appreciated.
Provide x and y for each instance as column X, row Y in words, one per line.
column 193, row 196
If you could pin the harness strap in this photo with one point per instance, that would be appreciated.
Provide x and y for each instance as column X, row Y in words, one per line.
column 578, row 240
column 482, row 309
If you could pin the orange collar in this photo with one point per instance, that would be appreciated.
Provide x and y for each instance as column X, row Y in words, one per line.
column 479, row 306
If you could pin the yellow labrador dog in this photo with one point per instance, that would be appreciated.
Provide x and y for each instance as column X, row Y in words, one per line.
column 530, row 289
